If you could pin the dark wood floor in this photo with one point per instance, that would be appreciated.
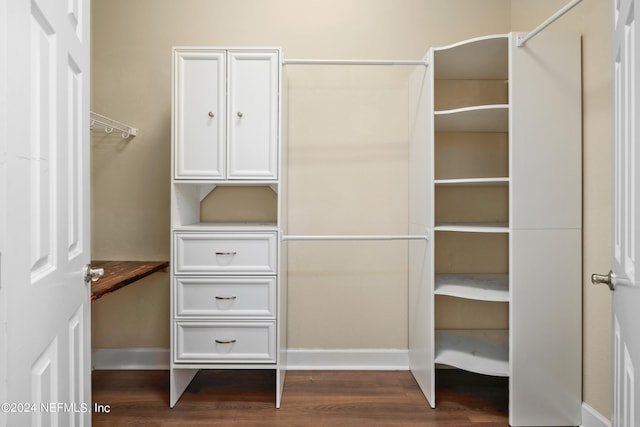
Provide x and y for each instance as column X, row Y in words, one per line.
column 310, row 398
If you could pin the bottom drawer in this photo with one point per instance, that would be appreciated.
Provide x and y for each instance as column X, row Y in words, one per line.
column 225, row 342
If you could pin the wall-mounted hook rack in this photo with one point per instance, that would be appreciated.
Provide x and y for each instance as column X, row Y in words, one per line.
column 110, row 125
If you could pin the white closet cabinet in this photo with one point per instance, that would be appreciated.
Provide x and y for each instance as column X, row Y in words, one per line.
column 228, row 298
column 226, row 114
column 495, row 176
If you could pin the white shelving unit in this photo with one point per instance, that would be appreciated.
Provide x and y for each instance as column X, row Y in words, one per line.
column 228, row 293
column 495, row 173
column 495, row 182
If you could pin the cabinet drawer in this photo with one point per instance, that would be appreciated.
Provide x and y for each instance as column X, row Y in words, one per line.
column 227, row 342
column 226, row 296
column 225, row 253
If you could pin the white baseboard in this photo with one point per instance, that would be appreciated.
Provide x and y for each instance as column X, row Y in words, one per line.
column 301, row 359
column 297, row 359
column 130, row 358
column 593, row 418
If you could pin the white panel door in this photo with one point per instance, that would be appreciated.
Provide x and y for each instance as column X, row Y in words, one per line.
column 626, row 298
column 199, row 114
column 3, row 191
column 253, row 114
column 44, row 237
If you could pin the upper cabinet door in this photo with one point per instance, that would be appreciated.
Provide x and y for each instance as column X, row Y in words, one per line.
column 253, row 115
column 199, row 115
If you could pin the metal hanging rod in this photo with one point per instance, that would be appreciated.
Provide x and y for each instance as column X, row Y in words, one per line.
column 523, row 39
column 353, row 62
column 355, row 237
column 110, row 125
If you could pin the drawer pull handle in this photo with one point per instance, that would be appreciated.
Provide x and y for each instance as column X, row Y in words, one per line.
column 225, row 298
column 225, row 341
column 226, row 253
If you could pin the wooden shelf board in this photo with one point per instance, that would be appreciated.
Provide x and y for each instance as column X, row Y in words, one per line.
column 118, row 274
column 473, row 351
column 482, row 287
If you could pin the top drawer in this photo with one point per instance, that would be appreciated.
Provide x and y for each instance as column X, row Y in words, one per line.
column 225, row 253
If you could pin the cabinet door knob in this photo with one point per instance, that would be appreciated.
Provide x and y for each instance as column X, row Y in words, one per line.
column 239, row 113
column 225, row 298
column 211, row 114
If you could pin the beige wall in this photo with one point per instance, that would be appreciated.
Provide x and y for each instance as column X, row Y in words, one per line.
column 347, row 145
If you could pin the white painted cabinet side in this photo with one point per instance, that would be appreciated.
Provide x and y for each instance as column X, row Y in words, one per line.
column 421, row 300
column 546, row 132
column 283, row 247
column 546, row 328
column 546, row 217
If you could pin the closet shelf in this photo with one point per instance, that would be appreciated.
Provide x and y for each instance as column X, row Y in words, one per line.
column 118, row 274
column 473, row 227
column 482, row 118
column 474, row 351
column 226, row 182
column 227, row 226
column 472, row 182
column 355, row 237
column 482, row 287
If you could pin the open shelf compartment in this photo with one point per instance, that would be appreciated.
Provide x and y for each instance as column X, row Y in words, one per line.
column 482, row 118
column 482, row 287
column 209, row 204
column 483, row 352
column 479, row 58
